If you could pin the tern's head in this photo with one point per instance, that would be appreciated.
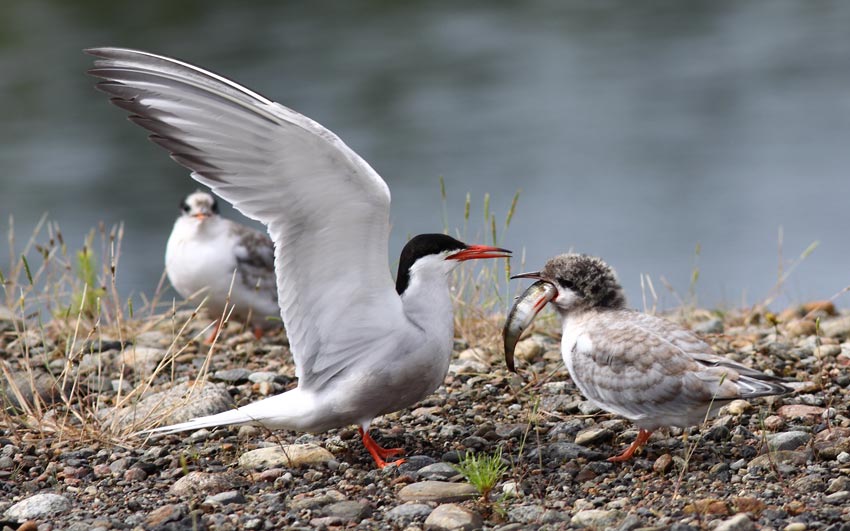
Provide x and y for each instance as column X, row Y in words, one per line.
column 582, row 281
column 428, row 254
column 199, row 205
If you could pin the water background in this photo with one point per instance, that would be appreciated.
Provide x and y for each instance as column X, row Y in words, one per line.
column 635, row 130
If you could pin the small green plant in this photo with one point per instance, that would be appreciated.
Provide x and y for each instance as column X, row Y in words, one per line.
column 482, row 471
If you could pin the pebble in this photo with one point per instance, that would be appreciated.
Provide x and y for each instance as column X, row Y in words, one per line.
column 837, row 498
column 262, row 376
column 292, row 455
column 196, row 483
column 779, row 457
column 143, row 360
column 348, row 511
column 800, row 327
column 528, row 350
column 739, row 522
column 225, row 498
column 135, row 474
column 438, row 471
column 795, row 526
column 234, row 376
column 437, row 491
column 836, row 327
column 711, row 326
column 165, row 514
column 38, row 506
column 407, row 513
column 526, row 514
column 453, row 517
column 597, row 518
column 788, row 440
column 663, row 464
column 738, row 407
column 180, row 403
column 800, row 411
column 593, row 435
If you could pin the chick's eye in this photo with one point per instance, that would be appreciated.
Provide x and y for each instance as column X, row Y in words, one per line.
column 567, row 284
column 185, row 207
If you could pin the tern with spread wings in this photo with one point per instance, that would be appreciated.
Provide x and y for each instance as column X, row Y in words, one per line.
column 361, row 348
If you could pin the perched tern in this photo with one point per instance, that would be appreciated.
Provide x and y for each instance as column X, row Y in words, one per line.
column 361, row 348
column 203, row 252
column 645, row 368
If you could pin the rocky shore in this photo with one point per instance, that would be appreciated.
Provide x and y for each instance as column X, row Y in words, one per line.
column 781, row 463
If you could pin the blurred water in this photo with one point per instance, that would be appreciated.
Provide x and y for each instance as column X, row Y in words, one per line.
column 636, row 130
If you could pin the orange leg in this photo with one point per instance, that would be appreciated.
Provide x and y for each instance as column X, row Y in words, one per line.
column 258, row 333
column 642, row 437
column 378, row 453
column 211, row 338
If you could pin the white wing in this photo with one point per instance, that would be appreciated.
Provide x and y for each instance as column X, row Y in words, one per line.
column 326, row 209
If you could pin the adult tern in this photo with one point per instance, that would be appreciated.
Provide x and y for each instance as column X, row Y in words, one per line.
column 361, row 348
column 645, row 368
column 203, row 251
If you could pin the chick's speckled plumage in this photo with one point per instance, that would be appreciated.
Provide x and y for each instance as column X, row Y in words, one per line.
column 650, row 370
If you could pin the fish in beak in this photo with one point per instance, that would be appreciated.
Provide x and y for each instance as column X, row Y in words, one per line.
column 525, row 309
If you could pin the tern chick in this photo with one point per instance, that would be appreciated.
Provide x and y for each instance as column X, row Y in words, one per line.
column 362, row 347
column 645, row 368
column 203, row 252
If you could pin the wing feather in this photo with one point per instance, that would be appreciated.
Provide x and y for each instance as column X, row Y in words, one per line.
column 326, row 209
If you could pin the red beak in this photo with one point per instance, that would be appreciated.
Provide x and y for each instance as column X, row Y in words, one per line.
column 474, row 252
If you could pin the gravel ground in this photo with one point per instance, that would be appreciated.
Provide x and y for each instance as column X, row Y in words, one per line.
column 778, row 463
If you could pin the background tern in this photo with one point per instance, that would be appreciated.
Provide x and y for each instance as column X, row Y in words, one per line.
column 361, row 348
column 645, row 368
column 203, row 251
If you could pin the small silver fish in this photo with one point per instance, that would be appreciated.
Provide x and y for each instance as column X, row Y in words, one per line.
column 525, row 309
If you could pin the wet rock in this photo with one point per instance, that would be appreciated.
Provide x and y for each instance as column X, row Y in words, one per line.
column 739, row 522
column 182, row 402
column 597, row 518
column 292, row 455
column 38, row 506
column 348, row 511
column 196, row 483
column 789, row 440
column 453, row 517
column 437, row 491
column 407, row 513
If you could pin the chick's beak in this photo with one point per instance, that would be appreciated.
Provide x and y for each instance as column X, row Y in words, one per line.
column 474, row 252
column 534, row 274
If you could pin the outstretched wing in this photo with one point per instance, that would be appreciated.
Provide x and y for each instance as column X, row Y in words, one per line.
column 326, row 209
